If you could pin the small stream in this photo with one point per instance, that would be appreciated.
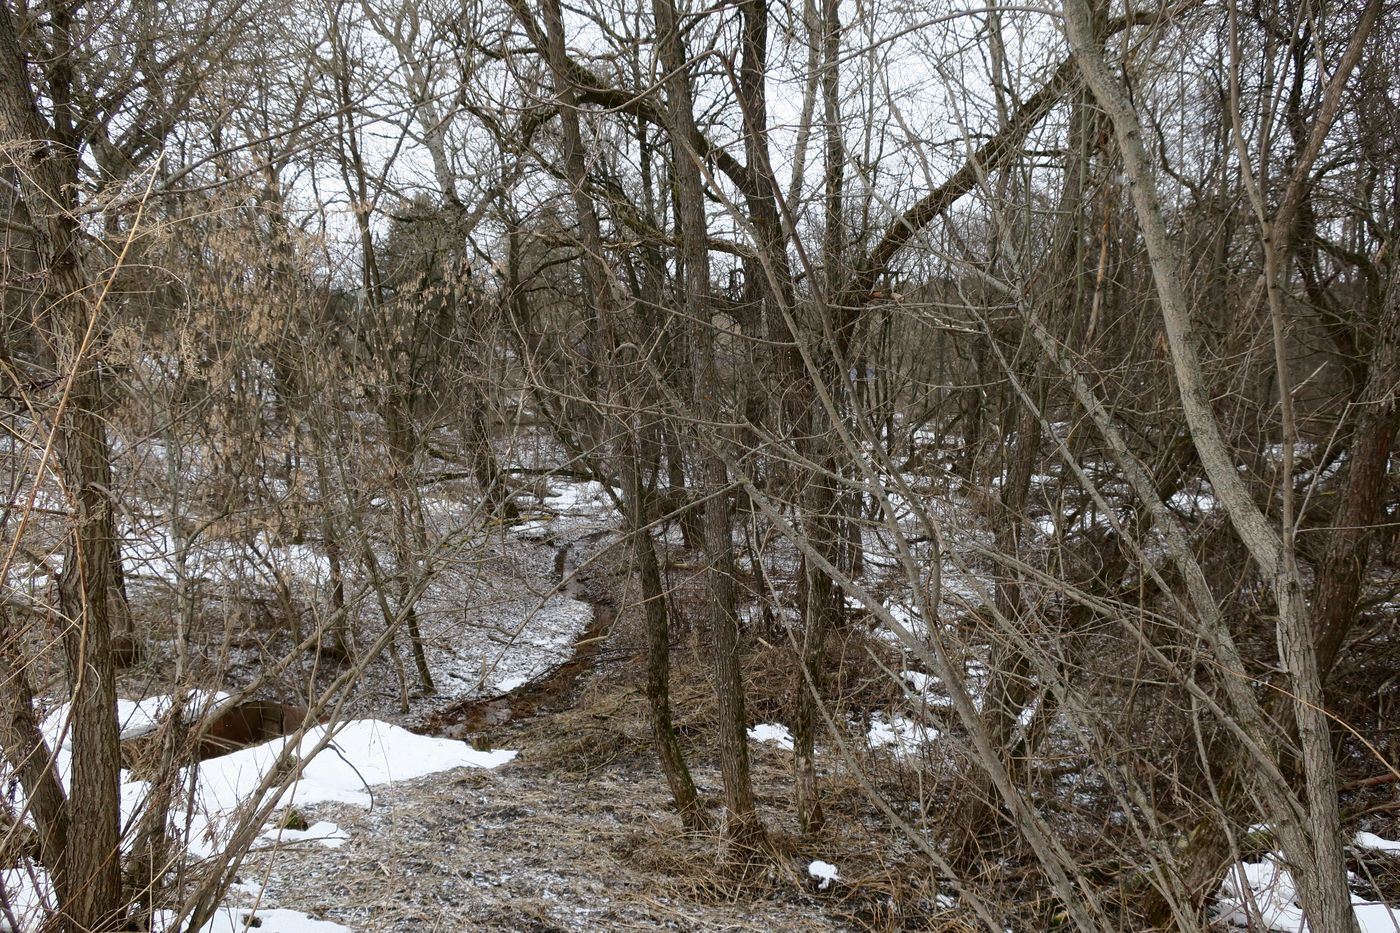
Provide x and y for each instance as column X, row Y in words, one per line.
column 551, row 691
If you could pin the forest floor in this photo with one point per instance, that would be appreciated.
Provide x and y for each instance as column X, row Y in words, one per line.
column 577, row 831
column 536, row 647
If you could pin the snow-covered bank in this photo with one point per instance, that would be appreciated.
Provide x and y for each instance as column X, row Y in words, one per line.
column 356, row 757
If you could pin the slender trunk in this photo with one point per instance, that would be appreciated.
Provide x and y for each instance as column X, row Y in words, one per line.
column 743, row 830
column 1313, row 844
column 485, row 466
column 408, row 534
column 658, row 690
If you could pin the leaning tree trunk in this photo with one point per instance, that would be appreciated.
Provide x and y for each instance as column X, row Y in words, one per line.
column 1313, row 841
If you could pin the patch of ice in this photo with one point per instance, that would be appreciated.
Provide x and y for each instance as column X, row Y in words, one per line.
column 774, row 732
column 824, row 872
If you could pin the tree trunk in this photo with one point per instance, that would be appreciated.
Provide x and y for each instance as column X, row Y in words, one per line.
column 88, row 883
column 658, row 690
column 743, row 830
column 1339, row 579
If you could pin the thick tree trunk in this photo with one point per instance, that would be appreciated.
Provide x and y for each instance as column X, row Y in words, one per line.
column 94, row 865
column 88, row 881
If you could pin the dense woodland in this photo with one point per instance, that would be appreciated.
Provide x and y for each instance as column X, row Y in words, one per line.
column 1029, row 370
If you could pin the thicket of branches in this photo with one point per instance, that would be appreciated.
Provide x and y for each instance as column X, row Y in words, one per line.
column 1062, row 343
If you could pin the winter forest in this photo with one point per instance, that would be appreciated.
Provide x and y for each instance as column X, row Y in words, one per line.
column 778, row 465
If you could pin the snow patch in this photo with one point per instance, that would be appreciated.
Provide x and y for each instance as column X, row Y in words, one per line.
column 269, row 920
column 824, row 872
column 587, row 498
column 362, row 753
column 324, row 832
column 1262, row 895
column 774, row 732
column 900, row 735
column 1376, row 843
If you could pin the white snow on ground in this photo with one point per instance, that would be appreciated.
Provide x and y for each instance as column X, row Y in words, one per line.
column 774, row 732
column 140, row 717
column 1261, row 895
column 902, row 736
column 587, row 498
column 241, row 920
column 323, row 832
column 517, row 631
column 534, row 528
column 148, row 550
column 908, row 619
column 1193, row 502
column 515, row 637
column 361, row 754
column 926, row 688
column 824, row 872
column 1372, row 841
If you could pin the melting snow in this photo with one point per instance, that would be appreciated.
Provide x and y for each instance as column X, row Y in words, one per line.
column 772, row 732
column 824, row 872
column 324, row 832
column 1269, row 897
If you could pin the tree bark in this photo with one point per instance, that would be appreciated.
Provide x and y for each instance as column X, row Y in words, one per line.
column 90, row 896
column 1314, row 844
column 744, row 833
